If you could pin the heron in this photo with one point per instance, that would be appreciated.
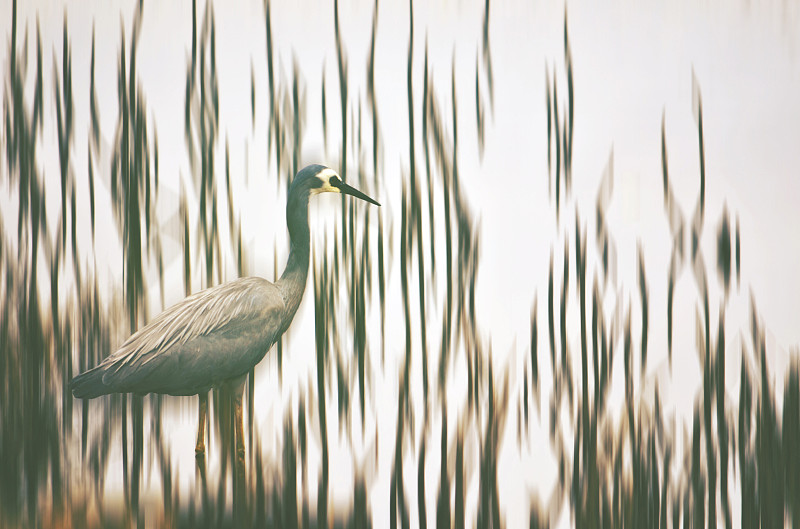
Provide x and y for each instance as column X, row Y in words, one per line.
column 213, row 338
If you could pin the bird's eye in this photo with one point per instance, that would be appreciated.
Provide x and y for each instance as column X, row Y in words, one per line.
column 334, row 181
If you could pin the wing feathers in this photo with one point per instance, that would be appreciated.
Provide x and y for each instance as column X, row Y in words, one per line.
column 228, row 308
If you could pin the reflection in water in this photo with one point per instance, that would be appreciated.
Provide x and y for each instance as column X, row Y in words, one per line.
column 112, row 463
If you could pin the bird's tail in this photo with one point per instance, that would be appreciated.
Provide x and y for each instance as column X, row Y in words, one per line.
column 89, row 385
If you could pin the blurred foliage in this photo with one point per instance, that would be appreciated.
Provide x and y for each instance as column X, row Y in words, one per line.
column 633, row 472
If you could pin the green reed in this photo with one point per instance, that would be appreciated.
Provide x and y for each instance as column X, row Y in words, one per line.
column 611, row 474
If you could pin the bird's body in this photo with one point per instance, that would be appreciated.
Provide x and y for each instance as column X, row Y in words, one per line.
column 210, row 337
column 216, row 336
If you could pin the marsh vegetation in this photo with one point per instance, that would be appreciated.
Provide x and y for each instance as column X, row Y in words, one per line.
column 393, row 298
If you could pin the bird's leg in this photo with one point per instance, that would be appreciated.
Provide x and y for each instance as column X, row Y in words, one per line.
column 236, row 388
column 200, row 447
column 237, row 403
column 239, row 491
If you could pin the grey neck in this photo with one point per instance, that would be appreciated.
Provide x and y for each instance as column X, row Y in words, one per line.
column 293, row 280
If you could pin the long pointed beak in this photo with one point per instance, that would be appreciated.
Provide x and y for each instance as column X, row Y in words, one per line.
column 347, row 190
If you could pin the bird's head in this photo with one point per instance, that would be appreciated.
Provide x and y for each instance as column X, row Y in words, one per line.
column 321, row 179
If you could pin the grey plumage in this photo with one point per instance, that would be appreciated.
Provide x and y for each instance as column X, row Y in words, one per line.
column 216, row 336
column 209, row 337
